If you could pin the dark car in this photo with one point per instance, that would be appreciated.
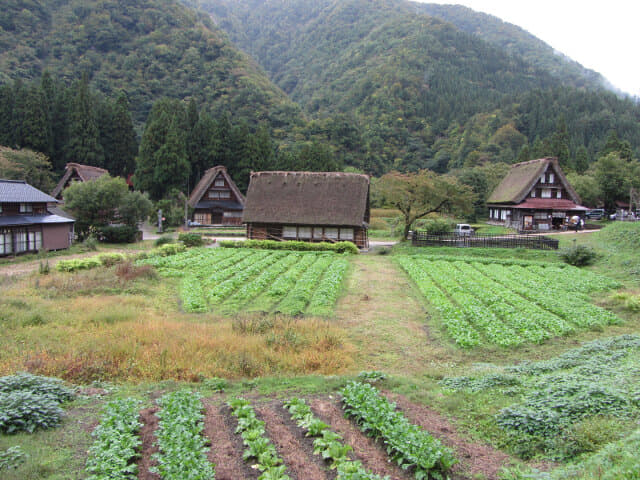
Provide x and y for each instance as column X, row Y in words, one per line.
column 595, row 214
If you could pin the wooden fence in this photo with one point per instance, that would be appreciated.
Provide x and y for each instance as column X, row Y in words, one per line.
column 536, row 242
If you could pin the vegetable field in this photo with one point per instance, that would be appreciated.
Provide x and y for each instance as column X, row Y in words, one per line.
column 199, row 438
column 228, row 280
column 508, row 303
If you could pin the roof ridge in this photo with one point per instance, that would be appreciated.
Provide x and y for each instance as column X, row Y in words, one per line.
column 12, row 181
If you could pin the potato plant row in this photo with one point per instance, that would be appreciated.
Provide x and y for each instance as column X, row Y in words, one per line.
column 407, row 444
column 327, row 443
column 232, row 280
column 507, row 304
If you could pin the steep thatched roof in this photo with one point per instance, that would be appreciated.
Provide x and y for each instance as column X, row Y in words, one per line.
column 308, row 198
column 206, row 181
column 522, row 177
column 84, row 172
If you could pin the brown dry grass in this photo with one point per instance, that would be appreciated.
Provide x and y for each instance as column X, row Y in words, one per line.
column 100, row 326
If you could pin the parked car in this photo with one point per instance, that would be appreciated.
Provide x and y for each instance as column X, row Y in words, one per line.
column 595, row 214
column 463, row 230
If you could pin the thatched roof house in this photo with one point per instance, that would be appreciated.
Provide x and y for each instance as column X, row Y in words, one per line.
column 535, row 195
column 311, row 206
column 76, row 172
column 216, row 199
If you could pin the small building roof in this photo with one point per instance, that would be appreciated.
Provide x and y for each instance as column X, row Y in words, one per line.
column 205, row 182
column 85, row 172
column 23, row 220
column 550, row 204
column 308, row 198
column 19, row 191
column 523, row 176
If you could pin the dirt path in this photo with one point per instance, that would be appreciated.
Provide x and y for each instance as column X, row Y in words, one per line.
column 384, row 316
column 147, row 434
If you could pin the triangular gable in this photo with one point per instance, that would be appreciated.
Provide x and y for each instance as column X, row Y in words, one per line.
column 523, row 177
column 84, row 172
column 205, row 183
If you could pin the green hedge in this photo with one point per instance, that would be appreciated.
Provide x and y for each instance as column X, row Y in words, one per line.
column 118, row 234
column 191, row 239
column 338, row 247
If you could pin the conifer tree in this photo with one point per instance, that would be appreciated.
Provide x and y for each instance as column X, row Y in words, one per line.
column 83, row 145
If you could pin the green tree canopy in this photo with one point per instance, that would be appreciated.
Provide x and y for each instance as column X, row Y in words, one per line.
column 103, row 201
column 419, row 194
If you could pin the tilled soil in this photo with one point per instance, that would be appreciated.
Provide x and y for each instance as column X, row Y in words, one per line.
column 296, row 450
column 149, row 426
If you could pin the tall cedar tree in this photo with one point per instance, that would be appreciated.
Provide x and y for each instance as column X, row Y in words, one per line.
column 84, row 145
column 162, row 163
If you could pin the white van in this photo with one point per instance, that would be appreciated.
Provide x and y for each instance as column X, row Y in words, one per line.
column 463, row 230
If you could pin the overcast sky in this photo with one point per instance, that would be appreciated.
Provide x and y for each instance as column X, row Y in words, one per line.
column 602, row 36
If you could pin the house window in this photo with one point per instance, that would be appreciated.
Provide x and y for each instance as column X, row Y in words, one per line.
column 559, row 194
column 542, row 178
column 21, row 242
column 503, row 214
column 541, row 215
column 34, row 241
column 331, row 233
column 219, row 182
column 26, row 208
column 289, row 231
column 346, row 234
column 232, row 214
column 546, row 193
column 317, row 232
column 304, row 232
column 551, row 177
column 5, row 242
column 225, row 194
column 213, row 194
column 533, row 193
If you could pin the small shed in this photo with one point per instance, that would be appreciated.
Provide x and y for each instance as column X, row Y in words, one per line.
column 76, row 172
column 216, row 200
column 535, row 195
column 308, row 206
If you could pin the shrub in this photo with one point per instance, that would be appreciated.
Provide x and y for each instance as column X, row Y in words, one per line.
column 119, row 233
column 53, row 387
column 12, row 457
column 579, row 255
column 25, row 411
column 163, row 240
column 434, row 226
column 110, row 259
column 338, row 247
column 90, row 244
column 191, row 239
column 78, row 264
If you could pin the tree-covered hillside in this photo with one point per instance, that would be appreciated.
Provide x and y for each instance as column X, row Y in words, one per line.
column 148, row 48
column 393, row 87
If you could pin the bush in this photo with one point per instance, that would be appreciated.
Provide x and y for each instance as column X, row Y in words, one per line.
column 78, row 264
column 90, row 244
column 434, row 226
column 110, row 259
column 12, row 457
column 338, row 247
column 53, row 387
column 191, row 239
column 119, row 233
column 25, row 411
column 163, row 240
column 579, row 256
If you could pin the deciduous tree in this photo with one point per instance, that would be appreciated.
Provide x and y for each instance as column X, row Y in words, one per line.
column 419, row 194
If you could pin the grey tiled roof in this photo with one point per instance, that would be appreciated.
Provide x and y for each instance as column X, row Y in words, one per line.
column 19, row 191
column 18, row 220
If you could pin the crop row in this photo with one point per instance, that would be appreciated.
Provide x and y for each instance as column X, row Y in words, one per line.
column 327, row 443
column 231, row 280
column 506, row 304
column 182, row 447
column 407, row 444
column 451, row 315
column 116, row 442
column 259, row 447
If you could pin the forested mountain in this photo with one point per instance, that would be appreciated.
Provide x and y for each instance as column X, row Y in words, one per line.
column 394, row 87
column 148, row 48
